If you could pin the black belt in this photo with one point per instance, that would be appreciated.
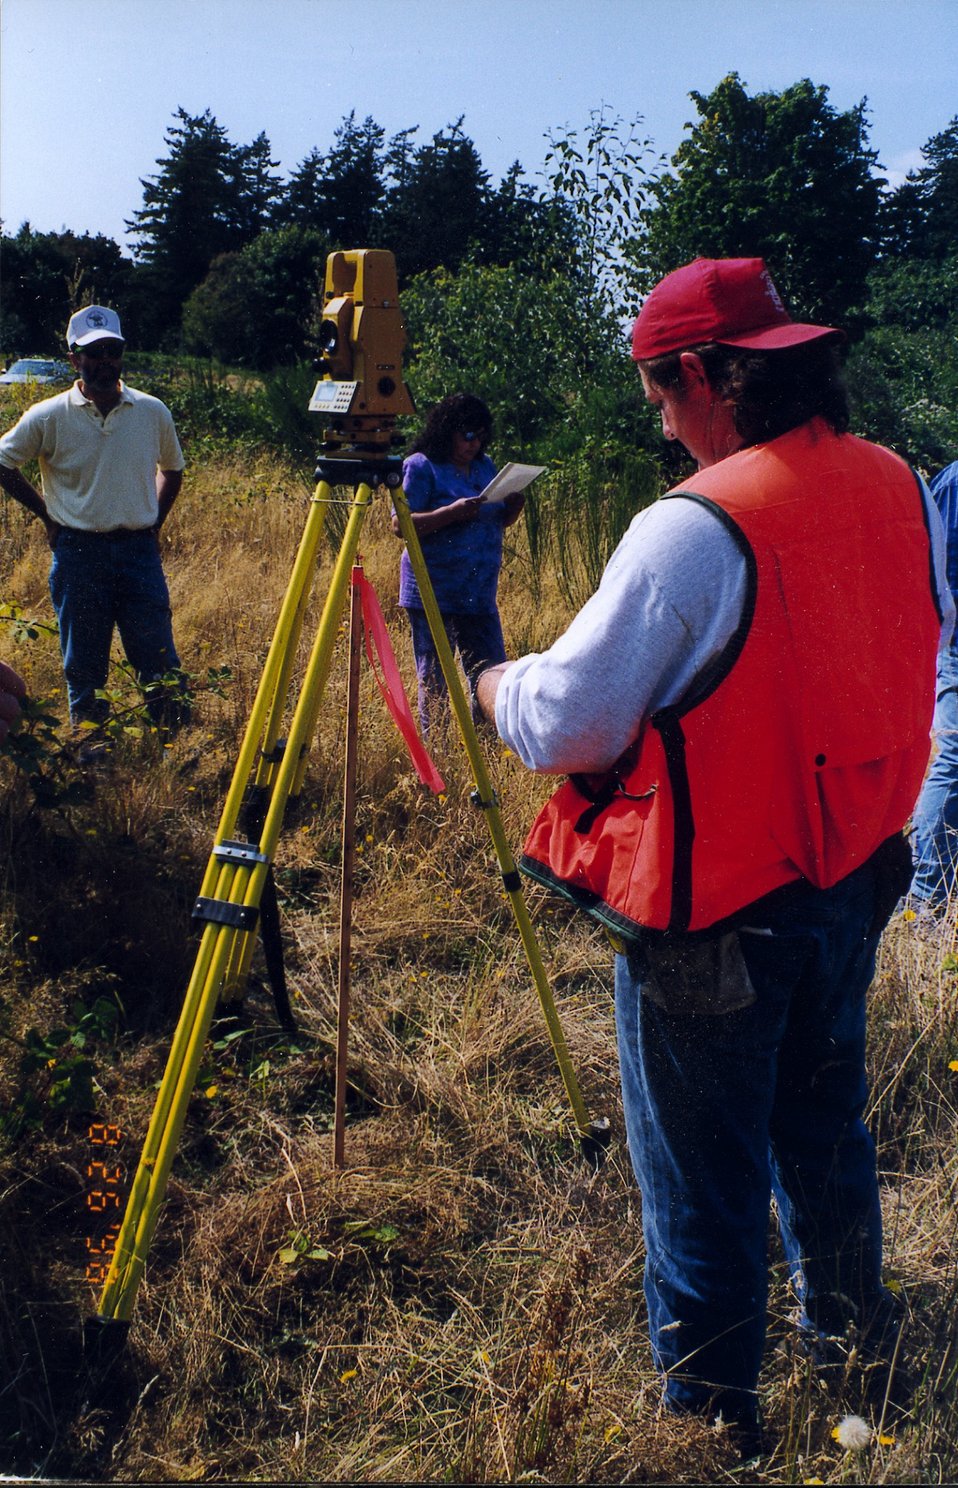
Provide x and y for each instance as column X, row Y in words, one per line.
column 110, row 531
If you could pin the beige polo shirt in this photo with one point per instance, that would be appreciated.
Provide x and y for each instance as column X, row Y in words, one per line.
column 98, row 472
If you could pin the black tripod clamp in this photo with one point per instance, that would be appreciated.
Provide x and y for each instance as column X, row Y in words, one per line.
column 373, row 470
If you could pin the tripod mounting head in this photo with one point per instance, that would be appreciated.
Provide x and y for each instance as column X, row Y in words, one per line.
column 362, row 335
column 361, row 470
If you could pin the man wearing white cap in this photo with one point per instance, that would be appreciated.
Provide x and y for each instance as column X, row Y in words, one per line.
column 111, row 467
column 743, row 711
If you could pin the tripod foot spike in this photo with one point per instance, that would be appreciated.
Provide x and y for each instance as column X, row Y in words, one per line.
column 104, row 1344
column 594, row 1143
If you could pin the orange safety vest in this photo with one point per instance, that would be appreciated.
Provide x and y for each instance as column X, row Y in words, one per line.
column 803, row 746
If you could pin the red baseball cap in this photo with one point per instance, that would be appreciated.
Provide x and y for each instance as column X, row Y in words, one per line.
column 731, row 300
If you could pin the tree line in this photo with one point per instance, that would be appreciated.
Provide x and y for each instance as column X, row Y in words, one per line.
column 520, row 289
column 219, row 233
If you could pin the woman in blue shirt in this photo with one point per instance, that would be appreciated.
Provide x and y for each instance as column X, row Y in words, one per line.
column 461, row 537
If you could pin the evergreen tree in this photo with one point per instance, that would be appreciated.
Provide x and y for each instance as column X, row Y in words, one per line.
column 301, row 203
column 353, row 189
column 535, row 233
column 781, row 176
column 921, row 217
column 209, row 197
column 340, row 194
column 904, row 375
column 398, row 159
column 438, row 208
column 258, row 188
column 940, row 177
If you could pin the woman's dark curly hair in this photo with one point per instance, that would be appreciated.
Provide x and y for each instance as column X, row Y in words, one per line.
column 772, row 391
column 456, row 414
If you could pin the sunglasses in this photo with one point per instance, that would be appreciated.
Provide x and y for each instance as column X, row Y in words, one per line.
column 468, row 434
column 99, row 350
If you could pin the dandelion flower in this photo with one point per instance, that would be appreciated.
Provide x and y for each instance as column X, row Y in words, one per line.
column 853, row 1433
column 909, row 915
column 953, row 1064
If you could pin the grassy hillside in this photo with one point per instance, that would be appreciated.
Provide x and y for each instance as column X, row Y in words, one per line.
column 463, row 1301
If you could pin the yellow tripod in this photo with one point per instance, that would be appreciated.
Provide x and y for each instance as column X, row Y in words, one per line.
column 232, row 890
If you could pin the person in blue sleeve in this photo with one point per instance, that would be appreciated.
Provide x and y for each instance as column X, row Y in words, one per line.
column 461, row 536
column 935, row 821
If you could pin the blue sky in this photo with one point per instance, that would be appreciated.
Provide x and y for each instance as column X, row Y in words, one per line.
column 88, row 90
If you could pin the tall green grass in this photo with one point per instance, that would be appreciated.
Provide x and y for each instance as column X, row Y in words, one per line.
column 576, row 516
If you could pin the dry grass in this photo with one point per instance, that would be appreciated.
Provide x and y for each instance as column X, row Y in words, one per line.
column 465, row 1304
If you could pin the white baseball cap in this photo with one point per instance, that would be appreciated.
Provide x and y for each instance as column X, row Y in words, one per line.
column 94, row 323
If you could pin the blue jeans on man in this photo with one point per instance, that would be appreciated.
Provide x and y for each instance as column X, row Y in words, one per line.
column 99, row 581
column 935, row 819
column 724, row 1110
column 477, row 638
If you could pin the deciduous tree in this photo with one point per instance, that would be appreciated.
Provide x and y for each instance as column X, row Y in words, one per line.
column 46, row 276
column 597, row 183
column 782, row 176
column 255, row 307
column 522, row 344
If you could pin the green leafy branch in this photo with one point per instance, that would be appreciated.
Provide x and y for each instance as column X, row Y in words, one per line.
column 56, row 1071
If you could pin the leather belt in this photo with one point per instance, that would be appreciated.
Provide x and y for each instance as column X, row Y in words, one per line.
column 108, row 532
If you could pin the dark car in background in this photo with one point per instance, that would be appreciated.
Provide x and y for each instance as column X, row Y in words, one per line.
column 37, row 369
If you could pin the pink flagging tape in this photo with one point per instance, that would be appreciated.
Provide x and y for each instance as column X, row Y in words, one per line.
column 379, row 647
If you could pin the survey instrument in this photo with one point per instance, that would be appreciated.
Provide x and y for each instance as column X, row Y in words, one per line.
column 360, row 395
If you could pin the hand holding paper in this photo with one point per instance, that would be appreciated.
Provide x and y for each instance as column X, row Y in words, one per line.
column 511, row 480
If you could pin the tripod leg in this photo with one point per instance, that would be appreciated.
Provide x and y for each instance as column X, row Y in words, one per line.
column 281, row 775
column 592, row 1135
column 256, row 768
column 252, row 817
column 232, row 891
column 272, row 939
column 262, row 731
column 348, row 868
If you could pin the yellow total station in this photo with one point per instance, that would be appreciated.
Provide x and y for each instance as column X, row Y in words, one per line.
column 362, row 335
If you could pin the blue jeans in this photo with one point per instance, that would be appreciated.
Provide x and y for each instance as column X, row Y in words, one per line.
column 477, row 638
column 724, row 1109
column 935, row 819
column 98, row 581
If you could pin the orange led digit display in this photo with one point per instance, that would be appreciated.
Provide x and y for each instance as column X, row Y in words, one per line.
column 104, row 1183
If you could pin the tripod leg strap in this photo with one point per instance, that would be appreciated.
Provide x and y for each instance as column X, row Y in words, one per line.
column 271, row 936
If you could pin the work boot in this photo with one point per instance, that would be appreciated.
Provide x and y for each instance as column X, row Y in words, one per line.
column 89, row 742
column 862, row 1361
